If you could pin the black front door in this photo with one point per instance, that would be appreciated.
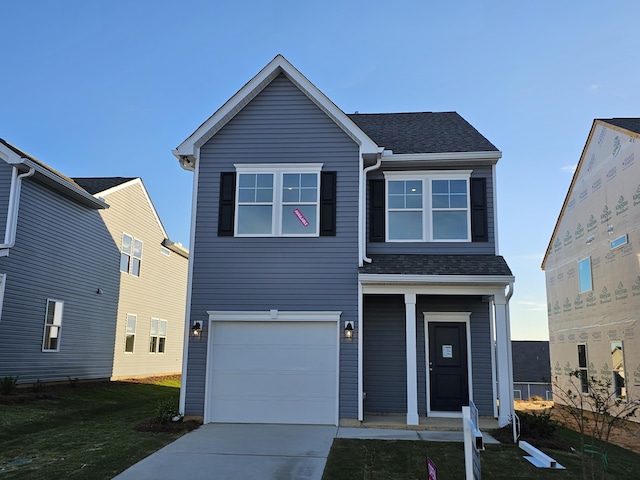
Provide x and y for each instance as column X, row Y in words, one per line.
column 448, row 377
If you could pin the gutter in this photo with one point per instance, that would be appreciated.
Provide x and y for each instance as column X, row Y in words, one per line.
column 14, row 203
column 363, row 208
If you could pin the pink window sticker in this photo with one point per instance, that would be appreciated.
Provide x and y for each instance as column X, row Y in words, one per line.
column 300, row 216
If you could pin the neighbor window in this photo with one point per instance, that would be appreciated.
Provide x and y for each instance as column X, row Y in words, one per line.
column 428, row 206
column 277, row 200
column 52, row 326
column 157, row 336
column 617, row 367
column 582, row 368
column 130, row 334
column 130, row 255
column 584, row 275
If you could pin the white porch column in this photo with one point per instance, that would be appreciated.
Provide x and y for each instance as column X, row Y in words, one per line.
column 503, row 360
column 412, row 359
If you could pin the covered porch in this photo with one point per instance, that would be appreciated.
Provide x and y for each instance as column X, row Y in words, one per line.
column 428, row 344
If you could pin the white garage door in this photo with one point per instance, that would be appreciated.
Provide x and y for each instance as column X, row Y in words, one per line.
column 273, row 372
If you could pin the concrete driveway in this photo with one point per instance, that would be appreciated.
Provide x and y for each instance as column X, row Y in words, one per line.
column 240, row 451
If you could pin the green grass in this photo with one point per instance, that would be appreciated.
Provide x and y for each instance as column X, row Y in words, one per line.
column 86, row 433
column 352, row 459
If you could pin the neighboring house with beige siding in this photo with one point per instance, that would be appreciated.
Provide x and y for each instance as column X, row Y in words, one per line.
column 153, row 280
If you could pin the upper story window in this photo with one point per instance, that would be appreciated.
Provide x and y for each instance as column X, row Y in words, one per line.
column 130, row 255
column 52, row 326
column 277, row 200
column 428, row 206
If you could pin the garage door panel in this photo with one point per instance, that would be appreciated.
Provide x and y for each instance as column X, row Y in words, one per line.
column 274, row 357
column 261, row 383
column 273, row 372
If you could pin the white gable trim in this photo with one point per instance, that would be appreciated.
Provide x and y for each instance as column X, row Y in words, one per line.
column 189, row 148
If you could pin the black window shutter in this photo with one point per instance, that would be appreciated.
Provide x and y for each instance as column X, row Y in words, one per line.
column 328, row 204
column 376, row 211
column 227, row 204
column 479, row 227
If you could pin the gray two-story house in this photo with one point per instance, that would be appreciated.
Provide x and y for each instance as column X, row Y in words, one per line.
column 341, row 266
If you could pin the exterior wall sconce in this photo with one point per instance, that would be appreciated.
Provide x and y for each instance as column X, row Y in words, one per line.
column 196, row 329
column 348, row 330
column 99, row 291
column 590, row 239
column 610, row 229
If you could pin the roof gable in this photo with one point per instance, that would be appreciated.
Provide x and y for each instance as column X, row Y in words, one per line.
column 627, row 126
column 104, row 186
column 187, row 150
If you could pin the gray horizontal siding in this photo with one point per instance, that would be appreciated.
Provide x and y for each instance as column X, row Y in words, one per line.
column 63, row 252
column 442, row 247
column 280, row 125
column 384, row 354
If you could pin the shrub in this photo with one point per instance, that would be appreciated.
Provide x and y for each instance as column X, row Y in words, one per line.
column 538, row 425
column 166, row 410
column 8, row 385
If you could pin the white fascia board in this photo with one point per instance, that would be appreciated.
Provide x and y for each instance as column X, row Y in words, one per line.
column 278, row 65
column 448, row 157
column 273, row 316
column 371, row 278
column 64, row 186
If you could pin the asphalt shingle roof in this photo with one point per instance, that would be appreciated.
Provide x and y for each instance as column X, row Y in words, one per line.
column 417, row 264
column 422, row 132
column 531, row 362
column 632, row 124
column 95, row 185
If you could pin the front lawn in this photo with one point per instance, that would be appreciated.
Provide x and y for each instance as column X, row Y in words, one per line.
column 352, row 459
column 84, row 431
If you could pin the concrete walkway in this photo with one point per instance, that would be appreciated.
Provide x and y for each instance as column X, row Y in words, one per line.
column 252, row 452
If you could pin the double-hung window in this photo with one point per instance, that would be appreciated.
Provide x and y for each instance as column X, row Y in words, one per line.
column 52, row 326
column 277, row 200
column 428, row 206
column 157, row 336
column 130, row 333
column 130, row 255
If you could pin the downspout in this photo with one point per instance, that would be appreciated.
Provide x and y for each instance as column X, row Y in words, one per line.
column 363, row 208
column 14, row 203
column 514, row 418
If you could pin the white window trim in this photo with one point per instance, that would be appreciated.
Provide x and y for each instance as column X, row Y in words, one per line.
column 126, row 333
column 132, row 255
column 44, row 331
column 277, row 169
column 427, row 210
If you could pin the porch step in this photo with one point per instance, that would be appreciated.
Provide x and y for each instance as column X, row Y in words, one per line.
column 399, row 422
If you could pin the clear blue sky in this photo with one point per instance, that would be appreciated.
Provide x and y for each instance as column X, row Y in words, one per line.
column 109, row 88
